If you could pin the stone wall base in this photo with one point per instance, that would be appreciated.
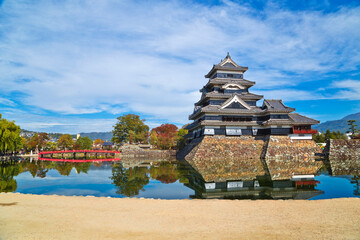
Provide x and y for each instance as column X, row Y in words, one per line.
column 343, row 156
column 221, row 158
column 134, row 151
column 285, row 157
column 343, row 149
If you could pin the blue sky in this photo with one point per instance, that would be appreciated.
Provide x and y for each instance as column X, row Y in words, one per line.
column 74, row 66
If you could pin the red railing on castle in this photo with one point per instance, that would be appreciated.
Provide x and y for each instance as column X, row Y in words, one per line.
column 305, row 131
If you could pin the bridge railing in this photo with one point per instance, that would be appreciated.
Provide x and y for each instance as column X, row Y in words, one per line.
column 79, row 151
column 80, row 160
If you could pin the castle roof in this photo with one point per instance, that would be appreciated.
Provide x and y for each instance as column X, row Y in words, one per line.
column 221, row 81
column 300, row 119
column 276, row 105
column 227, row 64
column 218, row 110
column 215, row 95
column 294, row 118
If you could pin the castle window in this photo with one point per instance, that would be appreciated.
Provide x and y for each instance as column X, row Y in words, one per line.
column 236, row 119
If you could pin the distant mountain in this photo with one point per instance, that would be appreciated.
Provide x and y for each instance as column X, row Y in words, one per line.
column 106, row 136
column 340, row 125
column 53, row 136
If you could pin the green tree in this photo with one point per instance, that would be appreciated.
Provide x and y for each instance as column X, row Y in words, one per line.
column 24, row 144
column 10, row 139
column 130, row 128
column 353, row 128
column 328, row 135
column 181, row 141
column 50, row 146
column 65, row 141
column 153, row 138
column 83, row 143
column 321, row 137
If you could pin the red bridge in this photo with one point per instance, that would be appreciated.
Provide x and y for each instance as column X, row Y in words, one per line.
column 75, row 155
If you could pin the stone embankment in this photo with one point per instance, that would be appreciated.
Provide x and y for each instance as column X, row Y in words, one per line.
column 134, row 151
column 219, row 158
column 343, row 149
column 285, row 157
column 343, row 156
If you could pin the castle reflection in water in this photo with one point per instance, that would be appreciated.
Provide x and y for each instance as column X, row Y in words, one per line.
column 158, row 179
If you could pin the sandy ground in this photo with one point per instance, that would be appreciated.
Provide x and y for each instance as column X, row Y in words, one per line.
column 58, row 217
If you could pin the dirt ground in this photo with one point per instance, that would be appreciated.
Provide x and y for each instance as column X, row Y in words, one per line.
column 25, row 216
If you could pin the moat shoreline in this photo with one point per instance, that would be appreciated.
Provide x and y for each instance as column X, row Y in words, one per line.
column 26, row 216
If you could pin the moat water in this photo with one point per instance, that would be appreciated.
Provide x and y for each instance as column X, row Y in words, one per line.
column 159, row 179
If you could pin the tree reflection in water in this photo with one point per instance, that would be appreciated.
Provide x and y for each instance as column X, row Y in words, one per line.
column 64, row 168
column 356, row 181
column 129, row 181
column 82, row 167
column 165, row 172
column 7, row 174
column 41, row 168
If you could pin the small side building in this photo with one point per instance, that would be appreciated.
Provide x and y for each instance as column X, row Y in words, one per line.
column 108, row 145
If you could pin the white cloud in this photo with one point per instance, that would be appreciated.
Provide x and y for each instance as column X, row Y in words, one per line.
column 68, row 124
column 291, row 95
column 350, row 89
column 62, row 124
column 150, row 57
column 7, row 102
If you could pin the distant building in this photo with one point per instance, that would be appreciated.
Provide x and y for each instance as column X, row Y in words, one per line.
column 348, row 135
column 226, row 107
column 108, row 145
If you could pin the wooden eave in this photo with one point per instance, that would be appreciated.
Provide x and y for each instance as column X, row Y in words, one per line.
column 277, row 122
column 213, row 95
column 223, row 123
column 192, row 125
column 252, row 111
column 289, row 110
column 304, row 124
column 233, row 69
column 220, row 81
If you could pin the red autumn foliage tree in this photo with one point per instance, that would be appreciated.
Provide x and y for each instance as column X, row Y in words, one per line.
column 164, row 137
column 38, row 140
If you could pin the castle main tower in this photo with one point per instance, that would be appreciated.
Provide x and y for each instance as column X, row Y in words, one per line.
column 227, row 107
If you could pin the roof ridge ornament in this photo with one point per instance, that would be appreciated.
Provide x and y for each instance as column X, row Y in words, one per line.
column 232, row 86
column 226, row 64
column 228, row 59
column 235, row 98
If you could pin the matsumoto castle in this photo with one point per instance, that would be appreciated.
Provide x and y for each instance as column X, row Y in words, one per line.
column 228, row 108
